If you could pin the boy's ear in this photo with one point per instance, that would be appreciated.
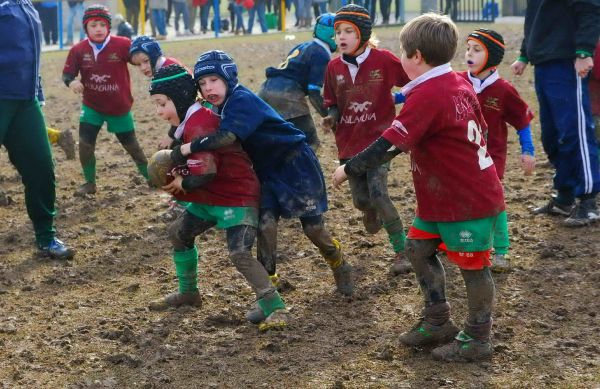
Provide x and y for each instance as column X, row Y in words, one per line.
column 418, row 57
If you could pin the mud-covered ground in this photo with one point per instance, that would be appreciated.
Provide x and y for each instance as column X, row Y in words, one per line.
column 84, row 323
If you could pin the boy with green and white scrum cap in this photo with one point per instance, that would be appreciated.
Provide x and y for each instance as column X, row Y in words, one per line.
column 102, row 59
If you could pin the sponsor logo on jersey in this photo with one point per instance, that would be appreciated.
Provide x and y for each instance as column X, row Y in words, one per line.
column 360, row 107
column 99, row 78
column 361, row 116
column 99, row 83
column 375, row 74
column 87, row 57
column 340, row 79
column 492, row 103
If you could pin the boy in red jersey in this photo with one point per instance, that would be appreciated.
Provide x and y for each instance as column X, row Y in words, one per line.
column 459, row 195
column 102, row 62
column 500, row 104
column 222, row 191
column 357, row 94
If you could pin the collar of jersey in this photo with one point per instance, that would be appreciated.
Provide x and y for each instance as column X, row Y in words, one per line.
column 98, row 50
column 324, row 46
column 359, row 58
column 160, row 62
column 428, row 75
column 480, row 85
column 191, row 110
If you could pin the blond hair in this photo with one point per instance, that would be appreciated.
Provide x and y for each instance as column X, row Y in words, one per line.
column 434, row 35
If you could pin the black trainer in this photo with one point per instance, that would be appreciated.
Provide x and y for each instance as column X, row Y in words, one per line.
column 585, row 213
column 554, row 208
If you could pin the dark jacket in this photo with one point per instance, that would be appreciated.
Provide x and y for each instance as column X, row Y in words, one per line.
column 20, row 46
column 558, row 29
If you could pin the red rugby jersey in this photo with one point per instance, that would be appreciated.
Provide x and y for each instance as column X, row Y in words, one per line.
column 442, row 127
column 235, row 183
column 366, row 104
column 500, row 104
column 107, row 87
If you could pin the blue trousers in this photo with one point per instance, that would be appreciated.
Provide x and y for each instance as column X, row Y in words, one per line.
column 259, row 9
column 567, row 127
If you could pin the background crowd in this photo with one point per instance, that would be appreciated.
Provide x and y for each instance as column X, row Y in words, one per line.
column 196, row 17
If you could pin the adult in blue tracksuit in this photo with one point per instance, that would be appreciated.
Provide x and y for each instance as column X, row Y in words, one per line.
column 22, row 127
column 560, row 37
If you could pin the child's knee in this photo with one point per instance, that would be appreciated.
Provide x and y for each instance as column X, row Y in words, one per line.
column 418, row 250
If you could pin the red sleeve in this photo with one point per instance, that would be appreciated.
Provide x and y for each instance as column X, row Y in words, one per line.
column 126, row 46
column 397, row 69
column 516, row 111
column 412, row 123
column 202, row 163
column 596, row 68
column 329, row 97
column 72, row 63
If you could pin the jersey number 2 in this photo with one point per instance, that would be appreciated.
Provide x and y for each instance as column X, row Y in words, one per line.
column 474, row 135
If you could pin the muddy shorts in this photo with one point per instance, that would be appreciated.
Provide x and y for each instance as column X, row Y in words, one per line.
column 296, row 187
column 225, row 217
column 285, row 96
column 114, row 124
column 467, row 243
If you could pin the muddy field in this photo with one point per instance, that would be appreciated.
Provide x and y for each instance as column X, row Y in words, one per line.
column 85, row 323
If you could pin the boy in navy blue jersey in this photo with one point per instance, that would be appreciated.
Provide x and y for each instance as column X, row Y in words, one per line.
column 292, row 183
column 300, row 75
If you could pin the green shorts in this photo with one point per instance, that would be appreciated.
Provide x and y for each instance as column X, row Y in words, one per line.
column 225, row 217
column 464, row 236
column 114, row 124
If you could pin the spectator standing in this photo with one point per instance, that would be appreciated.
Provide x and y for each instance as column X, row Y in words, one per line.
column 132, row 13
column 49, row 16
column 259, row 8
column 22, row 127
column 560, row 38
column 75, row 16
column 181, row 10
column 158, row 9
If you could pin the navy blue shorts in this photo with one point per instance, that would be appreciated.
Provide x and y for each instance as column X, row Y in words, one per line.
column 295, row 188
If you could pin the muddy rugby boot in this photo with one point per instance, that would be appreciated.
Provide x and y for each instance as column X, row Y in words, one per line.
column 275, row 321
column 269, row 312
column 371, row 221
column 401, row 265
column 501, row 263
column 176, row 300
column 85, row 189
column 56, row 249
column 67, row 143
column 464, row 348
column 435, row 327
column 343, row 273
column 585, row 213
column 553, row 208
column 427, row 334
column 256, row 315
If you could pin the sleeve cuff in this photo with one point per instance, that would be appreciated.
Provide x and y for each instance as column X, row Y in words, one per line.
column 523, row 59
